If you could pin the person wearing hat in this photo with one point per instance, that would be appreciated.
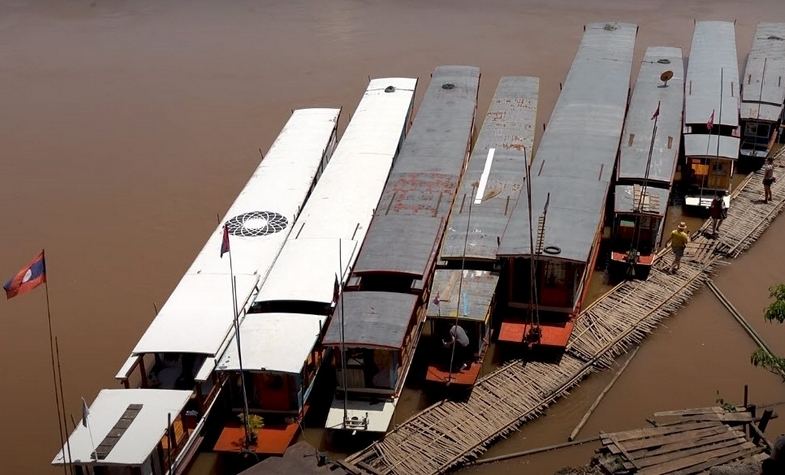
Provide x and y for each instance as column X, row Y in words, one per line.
column 678, row 240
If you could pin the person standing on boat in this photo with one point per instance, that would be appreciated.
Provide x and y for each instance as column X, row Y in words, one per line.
column 768, row 179
column 717, row 212
column 460, row 339
column 678, row 240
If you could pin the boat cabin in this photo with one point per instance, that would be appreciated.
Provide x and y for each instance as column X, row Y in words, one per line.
column 281, row 360
column 466, row 299
column 131, row 432
column 763, row 91
column 371, row 341
column 638, row 222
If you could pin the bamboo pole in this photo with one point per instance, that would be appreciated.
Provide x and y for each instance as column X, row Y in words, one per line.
column 600, row 397
column 524, row 453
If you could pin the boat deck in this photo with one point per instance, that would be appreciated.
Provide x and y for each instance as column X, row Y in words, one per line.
column 270, row 439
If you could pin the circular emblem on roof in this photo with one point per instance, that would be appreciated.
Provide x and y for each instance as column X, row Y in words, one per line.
column 664, row 61
column 389, row 89
column 257, row 223
column 448, row 86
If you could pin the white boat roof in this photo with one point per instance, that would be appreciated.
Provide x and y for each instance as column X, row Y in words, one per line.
column 343, row 202
column 713, row 52
column 639, row 125
column 306, row 270
column 704, row 145
column 276, row 342
column 198, row 315
column 763, row 88
column 140, row 438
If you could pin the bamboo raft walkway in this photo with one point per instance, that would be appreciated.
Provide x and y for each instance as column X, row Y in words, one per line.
column 449, row 434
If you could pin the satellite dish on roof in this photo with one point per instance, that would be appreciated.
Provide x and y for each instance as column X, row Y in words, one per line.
column 665, row 77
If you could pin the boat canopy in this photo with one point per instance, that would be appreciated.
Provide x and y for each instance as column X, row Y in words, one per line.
column 422, row 184
column 628, row 200
column 575, row 211
column 473, row 303
column 492, row 181
column 411, row 245
column 306, row 271
column 577, row 153
column 648, row 94
column 371, row 319
column 704, row 145
column 123, row 443
column 275, row 342
column 198, row 315
column 712, row 71
column 763, row 83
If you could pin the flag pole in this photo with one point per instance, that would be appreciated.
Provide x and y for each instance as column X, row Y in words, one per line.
column 237, row 336
column 343, row 345
column 62, row 401
column 85, row 415
column 63, row 440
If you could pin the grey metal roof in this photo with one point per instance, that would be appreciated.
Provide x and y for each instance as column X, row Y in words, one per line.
column 425, row 175
column 575, row 159
column 509, row 130
column 477, row 291
column 638, row 126
column 627, row 199
column 704, row 145
column 763, row 87
column 410, row 245
column 371, row 319
column 713, row 52
column 574, row 215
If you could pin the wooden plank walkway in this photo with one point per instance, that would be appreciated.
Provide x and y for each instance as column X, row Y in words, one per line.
column 684, row 446
column 451, row 433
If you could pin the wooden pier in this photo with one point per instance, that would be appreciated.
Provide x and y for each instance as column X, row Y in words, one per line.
column 452, row 433
column 684, row 442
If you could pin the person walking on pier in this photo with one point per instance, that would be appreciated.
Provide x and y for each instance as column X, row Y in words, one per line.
column 678, row 240
column 718, row 212
column 768, row 179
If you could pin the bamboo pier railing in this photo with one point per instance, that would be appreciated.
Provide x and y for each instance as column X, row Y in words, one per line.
column 450, row 433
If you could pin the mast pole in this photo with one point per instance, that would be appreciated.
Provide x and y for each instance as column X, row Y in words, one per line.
column 64, row 441
column 460, row 281
column 339, row 278
column 239, row 347
column 635, row 244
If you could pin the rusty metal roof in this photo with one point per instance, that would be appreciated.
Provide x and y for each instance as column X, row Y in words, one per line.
column 472, row 302
column 763, row 84
column 425, row 175
column 712, row 71
column 494, row 174
column 650, row 92
column 575, row 159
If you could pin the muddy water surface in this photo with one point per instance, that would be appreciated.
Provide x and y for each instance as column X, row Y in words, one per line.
column 126, row 126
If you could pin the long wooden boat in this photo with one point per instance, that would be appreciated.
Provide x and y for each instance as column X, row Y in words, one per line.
column 180, row 347
column 556, row 234
column 280, row 336
column 381, row 313
column 647, row 162
column 711, row 114
column 464, row 284
column 763, row 91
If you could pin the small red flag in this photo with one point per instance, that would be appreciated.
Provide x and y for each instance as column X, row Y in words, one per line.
column 29, row 277
column 710, row 123
column 225, row 242
column 656, row 113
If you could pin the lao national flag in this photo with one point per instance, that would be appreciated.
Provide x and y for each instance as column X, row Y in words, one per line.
column 225, row 242
column 30, row 277
column 710, row 123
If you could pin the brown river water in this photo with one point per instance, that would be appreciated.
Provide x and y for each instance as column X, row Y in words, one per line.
column 126, row 126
